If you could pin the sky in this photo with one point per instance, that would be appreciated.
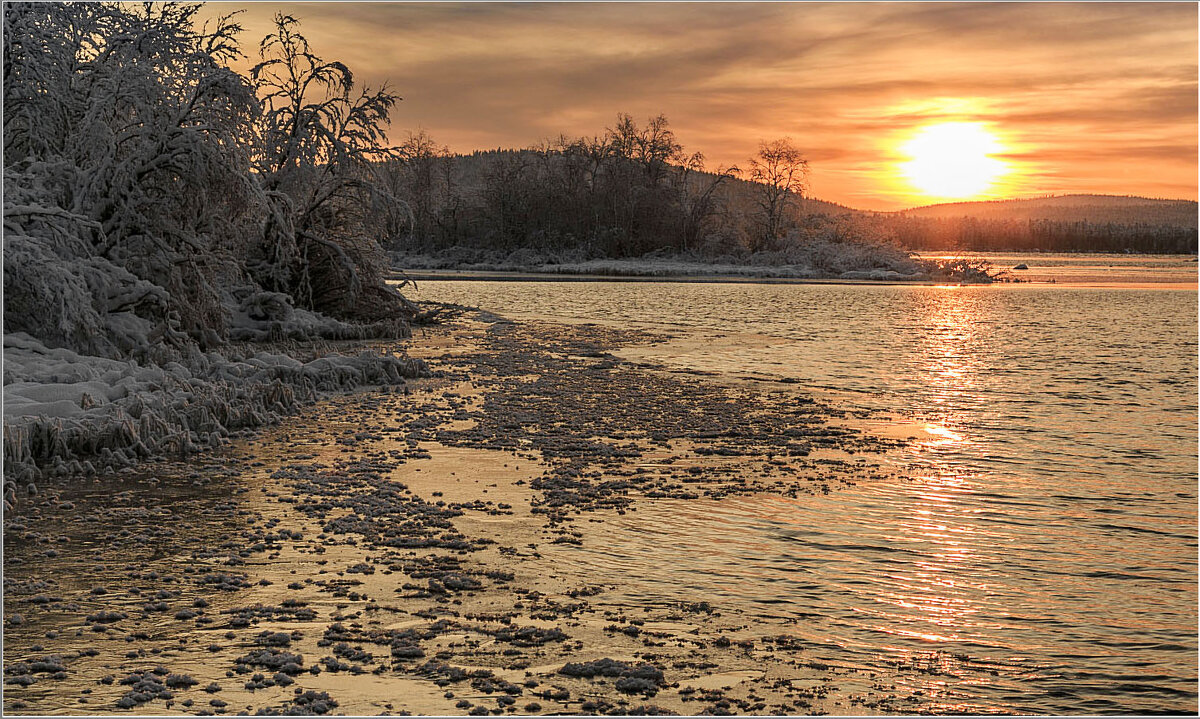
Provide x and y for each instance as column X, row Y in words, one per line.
column 1074, row 97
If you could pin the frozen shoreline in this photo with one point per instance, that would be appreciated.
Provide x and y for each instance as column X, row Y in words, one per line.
column 413, row 552
column 67, row 414
column 821, row 262
column 552, row 276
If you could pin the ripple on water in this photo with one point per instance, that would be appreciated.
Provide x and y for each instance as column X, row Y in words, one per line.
column 1041, row 554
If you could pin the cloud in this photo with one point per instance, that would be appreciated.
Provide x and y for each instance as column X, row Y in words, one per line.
column 845, row 81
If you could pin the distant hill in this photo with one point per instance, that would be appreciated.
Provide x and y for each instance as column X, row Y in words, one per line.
column 813, row 206
column 471, row 168
column 601, row 206
column 1098, row 209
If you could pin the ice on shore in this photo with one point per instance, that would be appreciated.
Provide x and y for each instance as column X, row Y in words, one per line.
column 811, row 260
column 881, row 275
column 99, row 373
column 67, row 413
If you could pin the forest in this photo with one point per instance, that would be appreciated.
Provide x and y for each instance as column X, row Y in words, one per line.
column 1065, row 223
column 631, row 190
column 634, row 190
column 993, row 235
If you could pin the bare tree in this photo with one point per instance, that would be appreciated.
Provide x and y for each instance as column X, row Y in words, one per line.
column 422, row 175
column 320, row 145
column 508, row 198
column 698, row 197
column 653, row 147
column 782, row 174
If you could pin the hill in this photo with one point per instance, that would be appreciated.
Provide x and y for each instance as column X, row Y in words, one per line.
column 1097, row 209
column 635, row 191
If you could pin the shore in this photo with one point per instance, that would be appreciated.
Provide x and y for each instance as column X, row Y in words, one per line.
column 836, row 264
column 1039, row 269
column 526, row 276
column 415, row 550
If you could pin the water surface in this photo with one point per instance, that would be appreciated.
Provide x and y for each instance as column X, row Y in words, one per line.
column 1034, row 549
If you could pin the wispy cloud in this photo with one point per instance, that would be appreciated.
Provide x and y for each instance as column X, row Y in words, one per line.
column 1099, row 97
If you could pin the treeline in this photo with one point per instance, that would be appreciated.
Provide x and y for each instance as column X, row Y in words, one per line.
column 1100, row 209
column 632, row 190
column 993, row 235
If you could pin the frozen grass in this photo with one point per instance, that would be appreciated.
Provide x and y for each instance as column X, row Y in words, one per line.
column 68, row 414
column 812, row 260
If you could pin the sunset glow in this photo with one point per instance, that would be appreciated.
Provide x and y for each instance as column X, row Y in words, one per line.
column 859, row 339
column 952, row 160
column 1102, row 96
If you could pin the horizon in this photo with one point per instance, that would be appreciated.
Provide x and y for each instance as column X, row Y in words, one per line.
column 1055, row 98
column 905, row 208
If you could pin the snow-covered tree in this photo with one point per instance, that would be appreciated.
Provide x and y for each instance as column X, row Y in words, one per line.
column 147, row 186
column 125, row 159
column 320, row 142
column 140, row 169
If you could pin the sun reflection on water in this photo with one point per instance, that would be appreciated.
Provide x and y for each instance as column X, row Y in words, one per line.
column 948, row 363
column 934, row 598
column 944, row 435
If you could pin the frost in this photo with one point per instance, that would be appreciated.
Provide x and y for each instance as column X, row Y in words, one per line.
column 152, row 229
column 814, row 259
column 68, row 414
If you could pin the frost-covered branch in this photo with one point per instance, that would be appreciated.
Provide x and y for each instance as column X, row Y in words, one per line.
column 319, row 143
column 152, row 195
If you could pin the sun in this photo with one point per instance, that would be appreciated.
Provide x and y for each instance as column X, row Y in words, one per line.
column 953, row 160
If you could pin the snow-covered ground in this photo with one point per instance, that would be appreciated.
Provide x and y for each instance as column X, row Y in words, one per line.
column 67, row 413
column 846, row 261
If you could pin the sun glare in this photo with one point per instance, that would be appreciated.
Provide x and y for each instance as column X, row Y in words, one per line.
column 952, row 160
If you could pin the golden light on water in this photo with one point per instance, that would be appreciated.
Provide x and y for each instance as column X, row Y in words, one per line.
column 934, row 601
column 953, row 160
column 944, row 434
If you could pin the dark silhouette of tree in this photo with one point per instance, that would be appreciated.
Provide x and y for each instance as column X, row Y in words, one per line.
column 320, row 147
column 782, row 174
column 699, row 198
column 421, row 174
column 635, row 190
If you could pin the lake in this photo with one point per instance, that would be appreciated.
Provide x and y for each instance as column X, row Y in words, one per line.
column 1033, row 548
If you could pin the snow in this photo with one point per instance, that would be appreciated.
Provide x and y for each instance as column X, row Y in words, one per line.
column 142, row 239
column 67, row 413
column 812, row 260
column 803, row 259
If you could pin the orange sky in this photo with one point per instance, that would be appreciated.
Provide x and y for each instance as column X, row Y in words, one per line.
column 1083, row 97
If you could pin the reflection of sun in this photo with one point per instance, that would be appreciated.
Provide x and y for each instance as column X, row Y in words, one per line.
column 952, row 160
column 944, row 434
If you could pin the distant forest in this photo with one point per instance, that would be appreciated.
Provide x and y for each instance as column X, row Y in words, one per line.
column 624, row 193
column 994, row 235
column 1076, row 223
column 634, row 189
